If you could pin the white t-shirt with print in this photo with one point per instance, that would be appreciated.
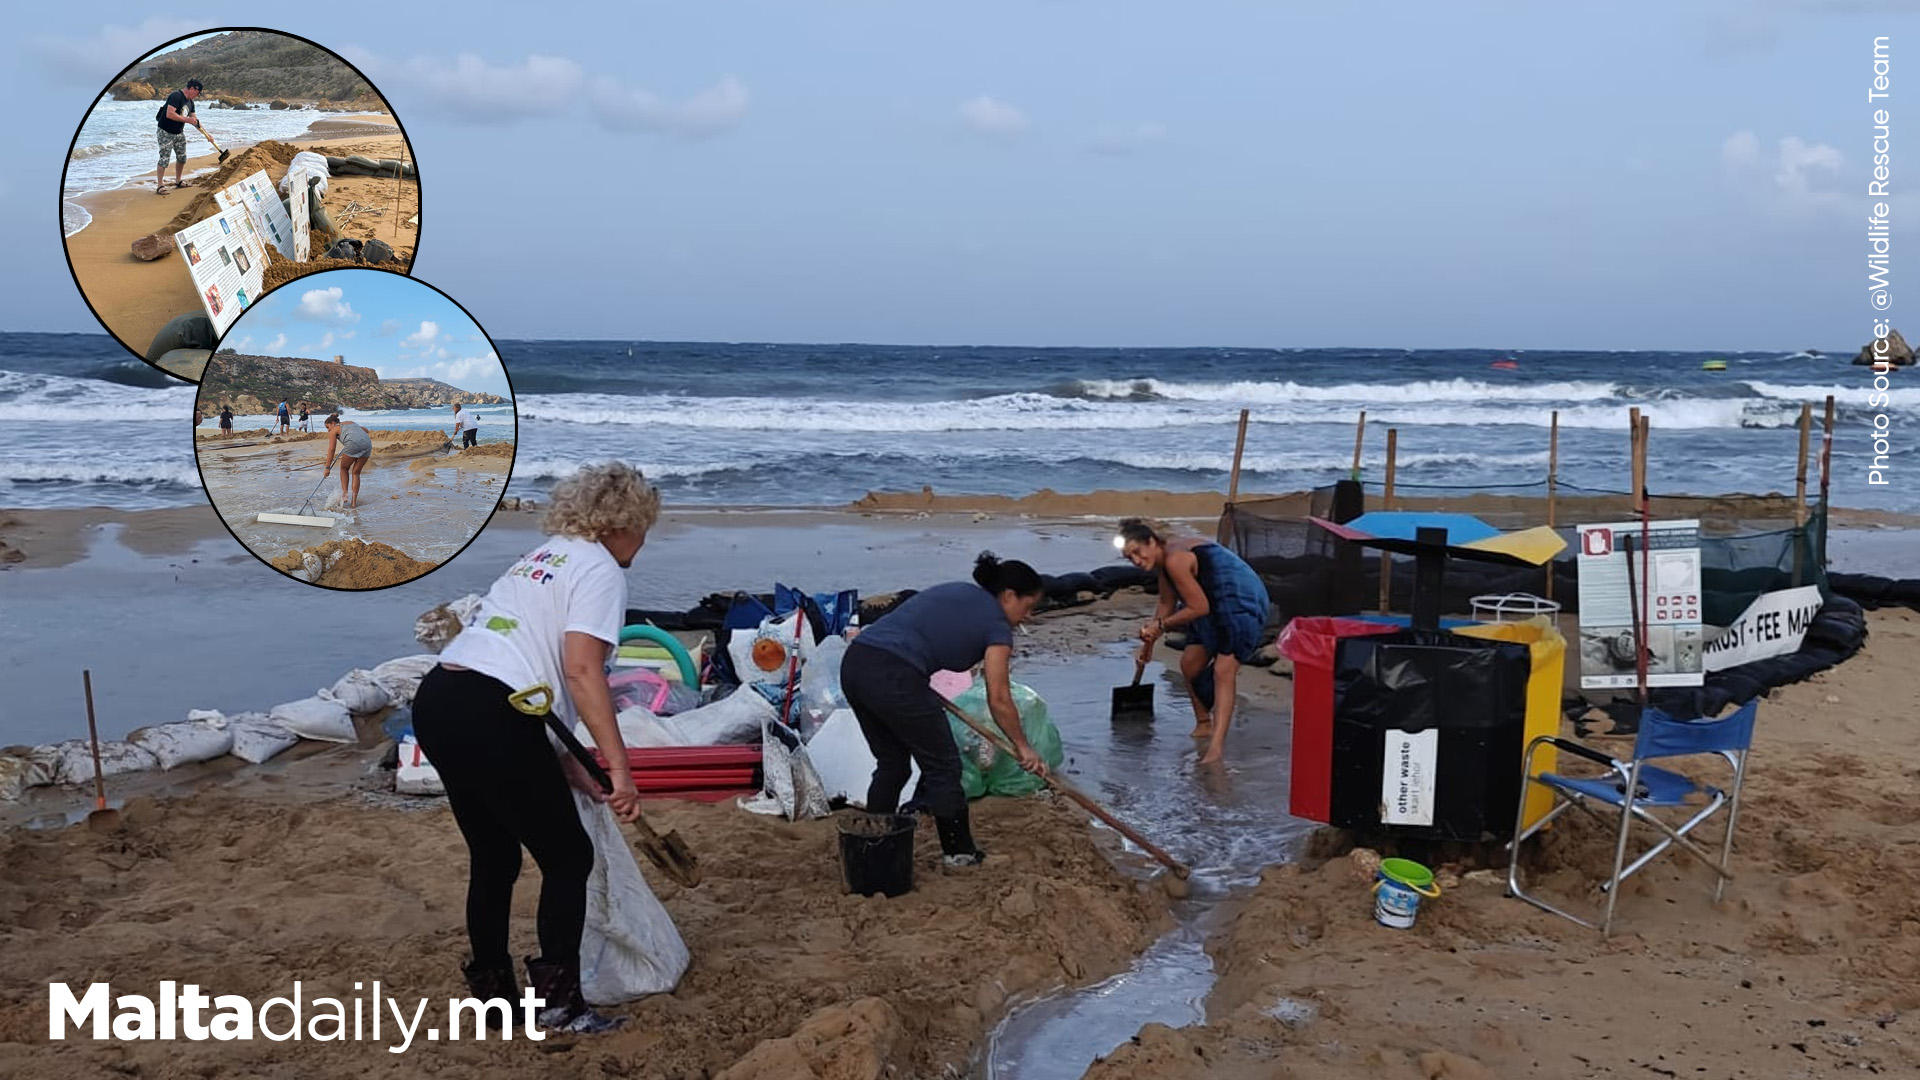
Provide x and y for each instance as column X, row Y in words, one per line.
column 515, row 634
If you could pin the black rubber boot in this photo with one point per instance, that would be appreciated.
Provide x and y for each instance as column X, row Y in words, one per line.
column 957, row 848
column 489, row 981
column 558, row 984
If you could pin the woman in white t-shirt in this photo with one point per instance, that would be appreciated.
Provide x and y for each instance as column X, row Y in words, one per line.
column 551, row 619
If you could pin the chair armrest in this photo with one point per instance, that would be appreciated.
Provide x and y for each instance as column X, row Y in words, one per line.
column 1580, row 750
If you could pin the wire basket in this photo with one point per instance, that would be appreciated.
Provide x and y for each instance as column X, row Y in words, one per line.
column 1513, row 607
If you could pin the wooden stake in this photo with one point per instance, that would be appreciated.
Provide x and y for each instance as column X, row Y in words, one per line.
column 1826, row 475
column 1239, row 446
column 1386, row 557
column 1553, row 484
column 1800, row 494
column 1633, row 454
column 1359, row 439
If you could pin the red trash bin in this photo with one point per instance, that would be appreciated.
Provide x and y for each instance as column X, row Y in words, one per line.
column 1309, row 642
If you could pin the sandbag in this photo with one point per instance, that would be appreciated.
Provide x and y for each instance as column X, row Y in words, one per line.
column 377, row 252
column 75, row 762
column 19, row 772
column 734, row 719
column 629, row 947
column 187, row 742
column 316, row 718
column 402, row 676
column 190, row 331
column 358, row 691
column 309, row 168
column 415, row 774
column 435, row 628
column 1003, row 774
column 640, row 728
column 257, row 739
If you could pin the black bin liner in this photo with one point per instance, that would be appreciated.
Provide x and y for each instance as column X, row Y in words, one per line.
column 1473, row 690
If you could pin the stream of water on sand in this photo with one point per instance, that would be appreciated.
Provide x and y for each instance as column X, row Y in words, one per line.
column 1226, row 824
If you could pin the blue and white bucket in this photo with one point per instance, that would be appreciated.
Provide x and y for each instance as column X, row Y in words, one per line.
column 1397, row 890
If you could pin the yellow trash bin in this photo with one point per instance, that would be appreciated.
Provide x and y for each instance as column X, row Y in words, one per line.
column 1548, row 650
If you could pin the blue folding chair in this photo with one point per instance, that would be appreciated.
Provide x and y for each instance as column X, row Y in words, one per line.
column 1649, row 794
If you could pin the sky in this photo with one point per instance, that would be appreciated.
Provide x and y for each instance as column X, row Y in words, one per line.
column 399, row 327
column 1647, row 174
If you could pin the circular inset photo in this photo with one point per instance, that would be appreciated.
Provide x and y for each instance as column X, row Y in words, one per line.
column 221, row 165
column 355, row 429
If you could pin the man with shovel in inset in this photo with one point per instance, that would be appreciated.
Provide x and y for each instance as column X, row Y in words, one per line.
column 174, row 116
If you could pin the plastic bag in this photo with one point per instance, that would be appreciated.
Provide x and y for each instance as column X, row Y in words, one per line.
column 766, row 654
column 639, row 728
column 1003, row 775
column 629, row 947
column 316, row 718
column 734, row 719
column 651, row 691
column 358, row 691
column 402, row 676
column 185, row 743
column 75, row 763
column 820, row 695
column 257, row 739
column 793, row 788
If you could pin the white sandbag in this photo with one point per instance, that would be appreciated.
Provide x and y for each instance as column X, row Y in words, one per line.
column 840, row 756
column 435, row 628
column 316, row 718
column 358, row 691
column 75, row 765
column 402, row 676
column 185, row 743
column 257, row 739
column 18, row 772
column 306, row 165
column 630, row 947
column 206, row 715
column 640, row 728
column 416, row 775
column 782, row 631
column 737, row 719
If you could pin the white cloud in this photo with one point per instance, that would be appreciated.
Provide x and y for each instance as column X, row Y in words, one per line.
column 443, row 353
column 1124, row 142
column 713, row 110
column 348, row 335
column 243, row 343
column 1797, row 180
column 388, row 328
column 468, row 367
column 90, row 61
column 326, row 341
column 326, row 305
column 471, row 89
column 992, row 118
column 277, row 344
column 426, row 335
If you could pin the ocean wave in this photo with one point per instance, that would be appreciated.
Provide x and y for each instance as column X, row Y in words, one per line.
column 57, row 398
column 1856, row 395
column 1281, row 393
column 560, row 469
column 135, row 473
column 81, row 153
column 1313, row 461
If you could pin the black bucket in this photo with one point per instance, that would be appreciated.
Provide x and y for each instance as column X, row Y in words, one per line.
column 876, row 852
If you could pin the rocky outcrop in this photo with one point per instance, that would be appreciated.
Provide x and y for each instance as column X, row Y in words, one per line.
column 278, row 104
column 1898, row 352
column 250, row 384
column 133, row 91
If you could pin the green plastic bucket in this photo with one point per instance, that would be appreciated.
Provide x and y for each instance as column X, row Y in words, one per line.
column 1397, row 890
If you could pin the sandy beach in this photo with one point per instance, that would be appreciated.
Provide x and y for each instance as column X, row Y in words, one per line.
column 134, row 299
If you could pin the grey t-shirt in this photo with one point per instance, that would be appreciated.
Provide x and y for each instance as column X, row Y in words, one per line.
column 945, row 628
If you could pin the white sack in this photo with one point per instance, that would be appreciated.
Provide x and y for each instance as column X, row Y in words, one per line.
column 316, row 718
column 358, row 691
column 305, row 164
column 75, row 764
column 640, row 728
column 402, row 676
column 257, row 739
column 840, row 756
column 19, row 772
column 630, row 947
column 737, row 719
column 174, row 745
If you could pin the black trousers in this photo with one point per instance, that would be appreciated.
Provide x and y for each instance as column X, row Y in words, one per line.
column 507, row 792
column 469, row 437
column 904, row 724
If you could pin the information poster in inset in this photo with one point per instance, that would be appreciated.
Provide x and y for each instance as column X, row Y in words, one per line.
column 302, row 238
column 255, row 194
column 1656, row 579
column 225, row 260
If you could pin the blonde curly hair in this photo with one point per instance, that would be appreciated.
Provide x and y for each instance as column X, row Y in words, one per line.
column 600, row 499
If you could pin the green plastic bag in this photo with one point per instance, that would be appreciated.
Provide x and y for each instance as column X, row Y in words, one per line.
column 985, row 770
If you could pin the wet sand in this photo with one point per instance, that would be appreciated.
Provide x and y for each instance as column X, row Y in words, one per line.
column 134, row 299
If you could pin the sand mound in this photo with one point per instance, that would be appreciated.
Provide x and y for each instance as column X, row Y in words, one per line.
column 216, row 435
column 244, row 895
column 355, row 564
column 281, row 270
column 488, row 450
column 274, row 157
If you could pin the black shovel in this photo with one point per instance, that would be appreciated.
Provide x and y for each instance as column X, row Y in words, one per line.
column 1135, row 702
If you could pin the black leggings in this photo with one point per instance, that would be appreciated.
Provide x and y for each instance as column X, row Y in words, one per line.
column 903, row 721
column 469, row 437
column 507, row 791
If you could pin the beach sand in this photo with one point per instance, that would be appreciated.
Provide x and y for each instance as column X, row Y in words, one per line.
column 134, row 299
column 243, row 879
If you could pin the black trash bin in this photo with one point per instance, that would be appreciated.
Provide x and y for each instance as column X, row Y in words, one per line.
column 1472, row 691
column 876, row 852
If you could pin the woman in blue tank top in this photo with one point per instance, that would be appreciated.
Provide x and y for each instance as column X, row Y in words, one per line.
column 1219, row 601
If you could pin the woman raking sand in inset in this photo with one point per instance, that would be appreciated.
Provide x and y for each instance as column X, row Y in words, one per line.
column 1221, row 603
column 356, row 446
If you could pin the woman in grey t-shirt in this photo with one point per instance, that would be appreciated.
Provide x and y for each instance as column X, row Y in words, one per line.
column 355, row 446
column 885, row 677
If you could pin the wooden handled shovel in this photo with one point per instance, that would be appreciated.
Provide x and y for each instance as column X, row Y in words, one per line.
column 1135, row 702
column 215, row 145
column 1178, row 868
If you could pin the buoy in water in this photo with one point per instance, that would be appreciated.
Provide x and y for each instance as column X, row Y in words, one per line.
column 1714, row 365
column 1505, row 365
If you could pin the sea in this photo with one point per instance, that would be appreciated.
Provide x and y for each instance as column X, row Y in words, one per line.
column 115, row 146
column 819, row 425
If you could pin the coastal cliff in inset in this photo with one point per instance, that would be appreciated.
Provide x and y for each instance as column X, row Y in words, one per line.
column 250, row 64
column 255, row 384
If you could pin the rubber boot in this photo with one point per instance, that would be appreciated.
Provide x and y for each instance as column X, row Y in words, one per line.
column 957, row 849
column 489, row 981
column 558, row 984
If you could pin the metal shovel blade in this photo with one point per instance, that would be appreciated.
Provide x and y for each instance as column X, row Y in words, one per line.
column 1134, row 702
column 670, row 853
